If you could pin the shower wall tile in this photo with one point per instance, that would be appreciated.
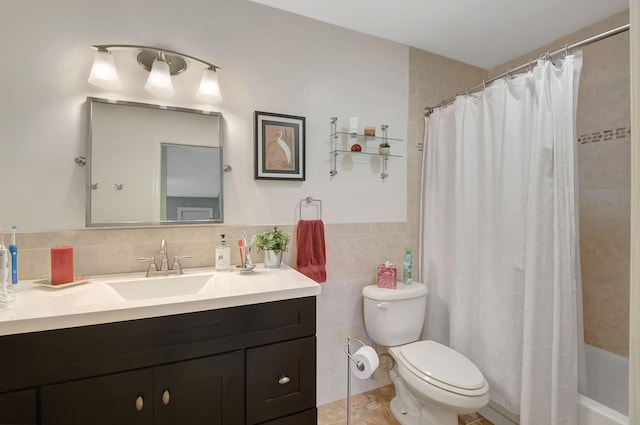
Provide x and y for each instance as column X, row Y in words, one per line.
column 605, row 260
column 605, row 213
column 588, row 166
column 605, row 164
column 605, row 290
column 615, row 160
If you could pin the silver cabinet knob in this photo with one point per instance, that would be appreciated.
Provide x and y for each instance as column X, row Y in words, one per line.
column 166, row 397
column 139, row 403
column 283, row 380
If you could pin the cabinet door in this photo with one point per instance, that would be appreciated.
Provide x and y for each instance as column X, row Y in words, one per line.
column 281, row 379
column 18, row 408
column 121, row 398
column 208, row 390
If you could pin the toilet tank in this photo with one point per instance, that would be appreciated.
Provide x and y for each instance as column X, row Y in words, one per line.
column 394, row 316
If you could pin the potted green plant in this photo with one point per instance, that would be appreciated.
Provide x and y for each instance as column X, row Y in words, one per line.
column 385, row 148
column 273, row 243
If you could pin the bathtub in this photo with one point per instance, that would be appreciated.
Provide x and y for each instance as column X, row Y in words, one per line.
column 606, row 401
column 606, row 398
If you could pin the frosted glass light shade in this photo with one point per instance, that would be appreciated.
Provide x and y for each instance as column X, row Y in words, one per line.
column 103, row 72
column 209, row 87
column 159, row 81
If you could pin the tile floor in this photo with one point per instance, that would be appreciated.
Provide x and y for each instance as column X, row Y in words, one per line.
column 372, row 408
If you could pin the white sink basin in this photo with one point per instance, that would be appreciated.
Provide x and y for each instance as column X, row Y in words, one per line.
column 160, row 286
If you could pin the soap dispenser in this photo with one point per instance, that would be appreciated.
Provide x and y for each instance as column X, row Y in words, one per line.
column 223, row 255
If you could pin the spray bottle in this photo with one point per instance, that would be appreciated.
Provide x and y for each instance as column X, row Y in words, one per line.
column 407, row 270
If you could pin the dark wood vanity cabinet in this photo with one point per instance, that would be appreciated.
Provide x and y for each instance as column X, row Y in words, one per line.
column 18, row 407
column 252, row 364
column 202, row 391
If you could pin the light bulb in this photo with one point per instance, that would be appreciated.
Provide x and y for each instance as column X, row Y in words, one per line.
column 209, row 87
column 159, row 81
column 103, row 72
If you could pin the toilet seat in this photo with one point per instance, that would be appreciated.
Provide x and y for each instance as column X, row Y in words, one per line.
column 442, row 367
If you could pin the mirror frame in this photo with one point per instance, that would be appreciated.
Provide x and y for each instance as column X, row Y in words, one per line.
column 88, row 223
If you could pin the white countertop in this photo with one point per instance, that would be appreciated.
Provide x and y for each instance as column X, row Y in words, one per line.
column 41, row 307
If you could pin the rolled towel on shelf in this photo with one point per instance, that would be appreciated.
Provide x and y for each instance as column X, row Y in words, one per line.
column 311, row 258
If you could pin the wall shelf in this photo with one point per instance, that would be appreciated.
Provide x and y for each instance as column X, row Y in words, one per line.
column 367, row 138
column 342, row 151
column 362, row 140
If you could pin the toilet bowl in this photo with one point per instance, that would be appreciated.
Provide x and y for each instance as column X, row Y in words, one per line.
column 434, row 383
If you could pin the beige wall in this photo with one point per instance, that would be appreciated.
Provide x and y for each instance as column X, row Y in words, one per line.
column 603, row 126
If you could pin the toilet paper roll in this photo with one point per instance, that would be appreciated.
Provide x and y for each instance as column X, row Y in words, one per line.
column 369, row 358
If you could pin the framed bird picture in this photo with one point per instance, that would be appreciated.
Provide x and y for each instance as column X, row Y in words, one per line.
column 279, row 146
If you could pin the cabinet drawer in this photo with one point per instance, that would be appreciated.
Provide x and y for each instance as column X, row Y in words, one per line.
column 281, row 379
column 308, row 417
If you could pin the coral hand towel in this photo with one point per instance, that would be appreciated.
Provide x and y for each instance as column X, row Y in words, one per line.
column 312, row 256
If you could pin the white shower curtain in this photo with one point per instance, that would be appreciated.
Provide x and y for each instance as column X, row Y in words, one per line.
column 499, row 237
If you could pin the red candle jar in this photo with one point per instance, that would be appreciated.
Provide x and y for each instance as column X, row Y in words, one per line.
column 61, row 265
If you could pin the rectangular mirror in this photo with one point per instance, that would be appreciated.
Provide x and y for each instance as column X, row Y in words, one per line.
column 151, row 164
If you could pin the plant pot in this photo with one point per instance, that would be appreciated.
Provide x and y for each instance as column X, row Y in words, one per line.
column 272, row 260
column 384, row 151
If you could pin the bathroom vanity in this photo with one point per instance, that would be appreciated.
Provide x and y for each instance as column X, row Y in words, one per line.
column 248, row 358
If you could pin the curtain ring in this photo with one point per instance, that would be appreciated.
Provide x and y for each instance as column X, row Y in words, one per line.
column 466, row 92
column 566, row 50
column 484, row 84
column 508, row 73
column 530, row 66
column 547, row 56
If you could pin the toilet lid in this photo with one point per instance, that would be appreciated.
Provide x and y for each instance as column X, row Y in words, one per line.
column 442, row 364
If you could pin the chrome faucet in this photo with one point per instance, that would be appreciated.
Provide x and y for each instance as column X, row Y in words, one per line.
column 164, row 263
column 152, row 269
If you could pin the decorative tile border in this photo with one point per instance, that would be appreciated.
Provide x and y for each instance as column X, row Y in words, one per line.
column 605, row 135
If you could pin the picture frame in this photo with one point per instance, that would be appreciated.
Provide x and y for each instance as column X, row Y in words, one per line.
column 279, row 146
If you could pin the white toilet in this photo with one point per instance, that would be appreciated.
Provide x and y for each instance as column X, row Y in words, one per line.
column 434, row 383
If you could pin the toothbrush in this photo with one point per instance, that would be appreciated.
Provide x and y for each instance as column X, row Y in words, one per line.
column 13, row 253
column 247, row 251
column 253, row 241
column 241, row 253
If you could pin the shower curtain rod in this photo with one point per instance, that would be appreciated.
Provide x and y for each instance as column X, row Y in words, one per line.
column 547, row 56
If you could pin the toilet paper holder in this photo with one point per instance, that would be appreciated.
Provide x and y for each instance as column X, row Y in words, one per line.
column 347, row 350
column 359, row 365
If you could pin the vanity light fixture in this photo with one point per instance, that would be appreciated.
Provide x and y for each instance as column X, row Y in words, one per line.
column 161, row 64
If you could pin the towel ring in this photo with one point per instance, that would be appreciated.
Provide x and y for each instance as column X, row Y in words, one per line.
column 309, row 200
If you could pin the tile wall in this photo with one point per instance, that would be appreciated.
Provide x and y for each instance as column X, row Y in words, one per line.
column 604, row 166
